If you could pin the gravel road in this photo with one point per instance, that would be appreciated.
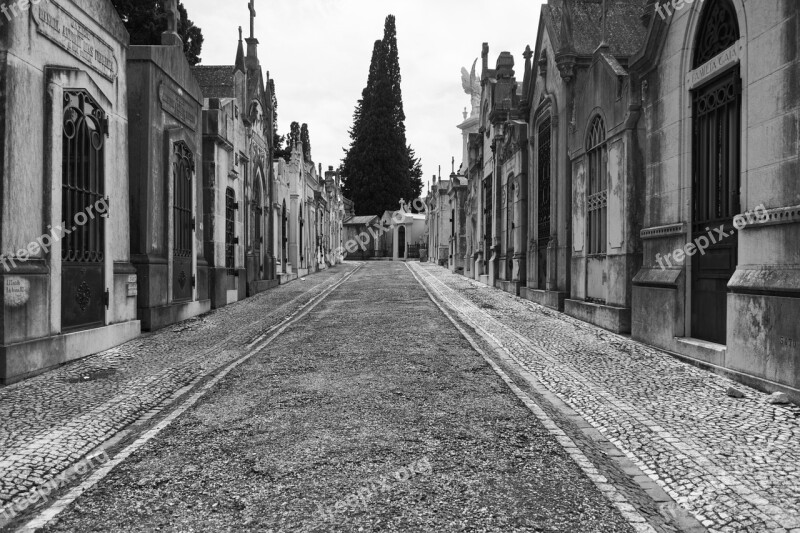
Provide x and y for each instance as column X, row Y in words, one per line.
column 371, row 414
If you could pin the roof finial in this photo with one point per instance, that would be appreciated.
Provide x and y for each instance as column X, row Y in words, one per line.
column 240, row 33
column 170, row 37
column 603, row 43
column 252, row 7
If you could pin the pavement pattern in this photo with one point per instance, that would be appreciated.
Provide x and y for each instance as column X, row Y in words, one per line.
column 373, row 413
column 50, row 421
column 734, row 463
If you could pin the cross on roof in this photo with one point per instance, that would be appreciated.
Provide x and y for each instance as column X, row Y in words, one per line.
column 252, row 7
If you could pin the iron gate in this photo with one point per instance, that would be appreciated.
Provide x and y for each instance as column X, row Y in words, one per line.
column 230, row 232
column 257, row 212
column 182, row 222
column 83, row 295
column 487, row 220
column 543, row 204
column 716, row 142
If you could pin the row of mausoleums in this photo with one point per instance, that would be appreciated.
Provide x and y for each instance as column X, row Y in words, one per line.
column 137, row 190
column 643, row 177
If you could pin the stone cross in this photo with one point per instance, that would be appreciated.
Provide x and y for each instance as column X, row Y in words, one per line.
column 170, row 37
column 171, row 7
column 252, row 7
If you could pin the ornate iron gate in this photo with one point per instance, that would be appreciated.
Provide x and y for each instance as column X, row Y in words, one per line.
column 300, row 231
column 230, row 231
column 716, row 149
column 284, row 236
column 487, row 220
column 257, row 212
column 83, row 295
column 543, row 204
column 182, row 221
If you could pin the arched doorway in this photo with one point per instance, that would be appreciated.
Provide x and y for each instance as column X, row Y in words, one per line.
column 401, row 242
column 716, row 140
column 284, row 237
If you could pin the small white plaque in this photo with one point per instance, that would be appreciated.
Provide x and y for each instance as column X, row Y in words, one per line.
column 17, row 291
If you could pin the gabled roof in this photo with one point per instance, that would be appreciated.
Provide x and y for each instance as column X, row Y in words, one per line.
column 625, row 30
column 215, row 80
column 362, row 220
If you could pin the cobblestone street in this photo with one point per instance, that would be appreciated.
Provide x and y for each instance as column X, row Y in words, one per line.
column 50, row 421
column 734, row 463
column 559, row 427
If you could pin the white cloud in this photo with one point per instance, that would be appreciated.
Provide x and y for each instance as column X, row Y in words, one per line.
column 318, row 52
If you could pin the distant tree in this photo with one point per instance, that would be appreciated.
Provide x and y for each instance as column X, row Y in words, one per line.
column 278, row 140
column 379, row 168
column 415, row 176
column 306, row 140
column 146, row 20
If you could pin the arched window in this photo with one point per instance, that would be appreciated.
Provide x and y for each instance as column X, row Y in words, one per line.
column 597, row 198
column 719, row 30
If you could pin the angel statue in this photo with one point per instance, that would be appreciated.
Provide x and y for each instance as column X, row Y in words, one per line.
column 472, row 86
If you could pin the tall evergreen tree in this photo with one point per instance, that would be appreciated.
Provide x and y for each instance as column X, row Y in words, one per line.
column 146, row 20
column 379, row 168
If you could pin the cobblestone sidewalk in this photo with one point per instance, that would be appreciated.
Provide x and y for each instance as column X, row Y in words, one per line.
column 50, row 421
column 733, row 463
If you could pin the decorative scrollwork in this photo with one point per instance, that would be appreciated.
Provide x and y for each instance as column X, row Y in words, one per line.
column 83, row 295
column 719, row 30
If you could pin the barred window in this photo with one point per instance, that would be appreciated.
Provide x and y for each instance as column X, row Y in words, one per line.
column 597, row 198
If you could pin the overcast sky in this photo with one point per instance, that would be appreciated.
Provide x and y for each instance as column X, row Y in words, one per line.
column 318, row 53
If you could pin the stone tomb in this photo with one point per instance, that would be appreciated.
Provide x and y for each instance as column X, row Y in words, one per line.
column 69, row 288
column 165, row 108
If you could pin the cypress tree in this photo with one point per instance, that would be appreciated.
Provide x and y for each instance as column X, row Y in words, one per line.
column 379, row 168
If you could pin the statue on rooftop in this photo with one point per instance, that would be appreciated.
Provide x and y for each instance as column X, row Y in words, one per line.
column 472, row 86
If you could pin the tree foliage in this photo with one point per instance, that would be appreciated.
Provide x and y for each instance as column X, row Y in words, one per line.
column 146, row 20
column 380, row 168
column 277, row 138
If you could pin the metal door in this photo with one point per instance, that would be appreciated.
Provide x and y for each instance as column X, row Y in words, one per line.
column 543, row 204
column 83, row 294
column 716, row 148
column 487, row 220
column 182, row 221
column 256, row 212
column 230, row 234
